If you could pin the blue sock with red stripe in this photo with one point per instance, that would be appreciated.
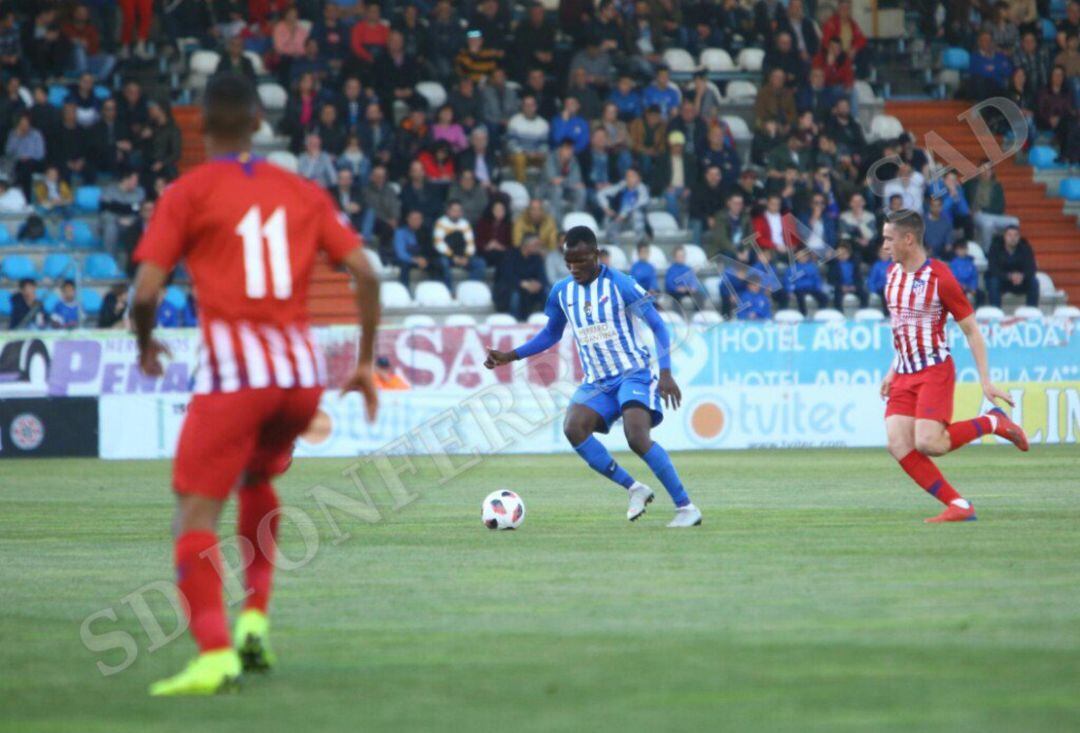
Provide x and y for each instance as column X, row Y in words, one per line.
column 660, row 463
column 599, row 459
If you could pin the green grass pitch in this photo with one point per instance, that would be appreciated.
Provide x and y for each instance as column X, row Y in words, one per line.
column 812, row 599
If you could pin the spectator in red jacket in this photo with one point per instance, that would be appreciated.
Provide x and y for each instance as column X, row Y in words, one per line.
column 438, row 162
column 837, row 65
column 771, row 226
column 370, row 34
column 843, row 27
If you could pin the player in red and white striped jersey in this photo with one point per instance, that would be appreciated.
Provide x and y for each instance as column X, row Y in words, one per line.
column 249, row 234
column 921, row 293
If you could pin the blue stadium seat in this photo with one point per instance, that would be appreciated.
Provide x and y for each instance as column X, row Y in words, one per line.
column 5, row 303
column 957, row 59
column 1049, row 30
column 79, row 234
column 1070, row 189
column 5, row 235
column 101, row 92
column 16, row 267
column 1042, row 156
column 88, row 198
column 176, row 297
column 49, row 301
column 101, row 266
column 58, row 93
column 58, row 266
column 90, row 300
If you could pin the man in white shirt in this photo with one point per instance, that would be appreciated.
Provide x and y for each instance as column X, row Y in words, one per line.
column 454, row 242
column 910, row 185
column 527, row 138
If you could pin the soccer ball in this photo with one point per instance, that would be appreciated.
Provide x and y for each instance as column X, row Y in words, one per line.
column 503, row 510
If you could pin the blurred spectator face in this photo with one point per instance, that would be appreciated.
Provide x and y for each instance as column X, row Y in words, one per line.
column 416, row 172
column 571, row 106
column 896, row 203
column 1012, row 237
column 23, row 125
column 578, row 78
column 535, row 79
column 536, row 210
column 905, row 172
column 843, row 108
column 414, row 220
column 157, row 114
column 626, row 85
column 610, row 113
column 600, row 140
column 819, row 202
column 13, row 86
column 466, row 86
column 536, row 15
column 311, row 49
column 960, row 249
column 633, row 178
column 663, row 76
column 528, row 107
column 352, row 88
column 843, row 252
column 857, row 202
column 41, row 95
column 328, row 115
column 803, row 255
column 378, row 176
column 467, row 180
column 446, row 115
column 291, row 15
column 1028, row 43
column 735, row 206
column 373, row 113
column 565, row 151
column 935, row 207
column 160, row 184
column 68, row 114
column 28, row 290
column 475, row 41
column 67, row 291
column 235, row 46
column 679, row 255
column 643, row 252
column 773, row 204
column 313, row 145
column 777, row 78
column 531, row 246
column 843, row 9
column 395, row 42
column 498, row 77
column 454, row 211
column 817, row 78
column 652, row 116
column 306, row 83
column 372, row 13
column 132, row 92
column 86, row 84
column 1057, row 77
column 713, row 176
column 783, row 42
column 795, row 9
column 443, row 10
column 108, row 110
column 344, row 179
column 330, row 14
column 986, row 44
column 498, row 210
column 479, row 139
column 145, row 211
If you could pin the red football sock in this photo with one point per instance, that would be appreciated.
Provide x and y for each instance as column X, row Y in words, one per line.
column 926, row 474
column 962, row 433
column 256, row 502
column 197, row 578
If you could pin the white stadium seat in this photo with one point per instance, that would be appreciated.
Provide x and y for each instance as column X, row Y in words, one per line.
column 740, row 90
column 618, row 257
column 394, row 295
column 1048, row 292
column 658, row 258
column 885, row 127
column 695, row 256
column 712, row 286
column 673, row 319
column 538, row 319
column 679, row 60
column 473, row 294
column 739, row 129
column 264, row 135
column 433, row 92
column 460, row 319
column 828, row 315
column 500, row 319
column 418, row 320
column 374, row 260
column 273, row 96
column 283, row 159
column 869, row 314
column 579, row 219
column 788, row 316
column 256, row 62
column 981, row 263
column 433, row 294
column 1067, row 311
column 204, row 62
column 988, row 313
column 1028, row 313
column 706, row 318
column 751, row 59
column 716, row 59
column 519, row 195
column 662, row 223
column 864, row 92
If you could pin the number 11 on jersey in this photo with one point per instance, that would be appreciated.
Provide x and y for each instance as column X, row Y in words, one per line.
column 253, row 231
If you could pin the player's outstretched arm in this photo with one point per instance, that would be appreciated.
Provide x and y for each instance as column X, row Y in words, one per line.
column 668, row 388
column 548, row 336
column 149, row 281
column 977, row 344
column 367, row 302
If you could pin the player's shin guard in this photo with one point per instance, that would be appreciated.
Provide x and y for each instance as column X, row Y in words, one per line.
column 600, row 460
column 257, row 522
column 197, row 562
column 962, row 433
column 925, row 473
column 660, row 463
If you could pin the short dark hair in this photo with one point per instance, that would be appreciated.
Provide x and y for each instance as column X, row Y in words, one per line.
column 26, row 281
column 68, row 282
column 908, row 220
column 230, row 107
column 580, row 236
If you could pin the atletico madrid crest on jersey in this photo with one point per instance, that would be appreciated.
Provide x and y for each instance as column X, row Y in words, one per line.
column 919, row 286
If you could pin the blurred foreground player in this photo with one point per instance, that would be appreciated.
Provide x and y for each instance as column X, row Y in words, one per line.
column 602, row 307
column 249, row 234
column 921, row 293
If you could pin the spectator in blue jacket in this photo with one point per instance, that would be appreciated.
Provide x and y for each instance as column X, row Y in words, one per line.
column 169, row 316
column 939, row 230
column 681, row 281
column 643, row 271
column 754, row 304
column 65, row 313
column 844, row 277
column 413, row 248
column 963, row 269
column 570, row 125
column 662, row 93
column 990, row 69
column 875, row 281
column 627, row 99
column 804, row 279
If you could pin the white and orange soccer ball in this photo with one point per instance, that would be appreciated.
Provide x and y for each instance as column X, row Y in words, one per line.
column 503, row 509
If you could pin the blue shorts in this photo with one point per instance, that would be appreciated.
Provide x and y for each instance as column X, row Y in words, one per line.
column 608, row 397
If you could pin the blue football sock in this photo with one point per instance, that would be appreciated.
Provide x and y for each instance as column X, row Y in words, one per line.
column 661, row 465
column 599, row 460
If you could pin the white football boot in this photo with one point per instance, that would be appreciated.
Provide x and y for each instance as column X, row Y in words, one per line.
column 640, row 497
column 686, row 516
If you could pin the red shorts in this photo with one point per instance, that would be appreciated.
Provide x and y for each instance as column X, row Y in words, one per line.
column 226, row 434
column 925, row 395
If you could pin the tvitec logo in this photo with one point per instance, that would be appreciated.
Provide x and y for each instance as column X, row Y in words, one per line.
column 751, row 415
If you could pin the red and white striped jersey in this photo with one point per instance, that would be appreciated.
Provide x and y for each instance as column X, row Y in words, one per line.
column 249, row 233
column 919, row 302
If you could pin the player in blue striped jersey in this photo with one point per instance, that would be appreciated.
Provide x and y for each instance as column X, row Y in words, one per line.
column 602, row 307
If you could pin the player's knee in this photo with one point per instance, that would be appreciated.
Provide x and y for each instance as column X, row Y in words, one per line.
column 640, row 443
column 898, row 448
column 929, row 445
column 575, row 433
